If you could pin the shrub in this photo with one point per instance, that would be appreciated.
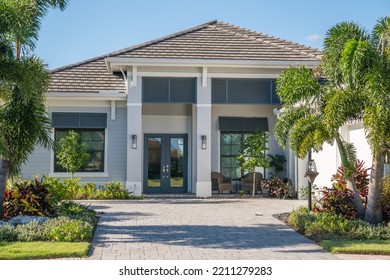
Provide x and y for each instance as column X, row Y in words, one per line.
column 321, row 226
column 28, row 198
column 69, row 230
column 299, row 219
column 33, row 231
column 337, row 200
column 69, row 189
column 113, row 190
column 278, row 188
column 76, row 211
column 328, row 225
column 57, row 188
column 8, row 233
column 88, row 191
column 385, row 200
column 361, row 179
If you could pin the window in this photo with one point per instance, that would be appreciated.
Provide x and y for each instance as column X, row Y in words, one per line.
column 243, row 91
column 234, row 130
column 168, row 90
column 94, row 142
column 231, row 144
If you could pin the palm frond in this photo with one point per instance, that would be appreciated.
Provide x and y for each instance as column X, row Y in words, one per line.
column 342, row 106
column 334, row 43
column 297, row 84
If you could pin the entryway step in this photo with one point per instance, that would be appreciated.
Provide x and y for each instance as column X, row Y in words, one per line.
column 171, row 196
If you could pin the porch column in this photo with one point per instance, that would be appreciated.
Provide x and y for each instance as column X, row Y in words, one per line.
column 203, row 129
column 134, row 136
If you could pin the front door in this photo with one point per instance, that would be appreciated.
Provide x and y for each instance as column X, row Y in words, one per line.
column 165, row 169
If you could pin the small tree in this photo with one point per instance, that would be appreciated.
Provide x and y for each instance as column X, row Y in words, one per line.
column 71, row 154
column 253, row 154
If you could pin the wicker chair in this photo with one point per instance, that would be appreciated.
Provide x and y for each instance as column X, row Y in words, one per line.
column 220, row 183
column 247, row 182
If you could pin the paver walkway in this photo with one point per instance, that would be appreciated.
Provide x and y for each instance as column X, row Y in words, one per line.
column 199, row 229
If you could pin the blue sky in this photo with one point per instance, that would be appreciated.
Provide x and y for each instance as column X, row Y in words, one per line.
column 89, row 28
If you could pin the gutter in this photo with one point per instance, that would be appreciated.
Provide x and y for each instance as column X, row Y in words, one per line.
column 283, row 64
column 102, row 95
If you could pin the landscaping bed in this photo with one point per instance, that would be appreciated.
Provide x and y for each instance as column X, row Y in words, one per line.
column 339, row 235
column 41, row 219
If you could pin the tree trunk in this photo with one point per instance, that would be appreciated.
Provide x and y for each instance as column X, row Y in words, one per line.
column 357, row 200
column 4, row 171
column 374, row 209
column 18, row 49
column 254, row 184
column 350, row 182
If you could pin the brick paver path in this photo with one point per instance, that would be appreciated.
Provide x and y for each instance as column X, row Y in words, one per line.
column 197, row 229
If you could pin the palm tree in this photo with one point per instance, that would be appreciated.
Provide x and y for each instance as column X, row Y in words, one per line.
column 359, row 65
column 23, row 84
column 301, row 121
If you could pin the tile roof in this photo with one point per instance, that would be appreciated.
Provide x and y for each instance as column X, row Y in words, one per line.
column 219, row 40
column 87, row 76
column 212, row 40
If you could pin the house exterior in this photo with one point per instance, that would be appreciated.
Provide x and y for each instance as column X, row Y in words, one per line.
column 162, row 115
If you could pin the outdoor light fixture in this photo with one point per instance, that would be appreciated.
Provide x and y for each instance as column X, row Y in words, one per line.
column 311, row 172
column 204, row 142
column 134, row 141
column 311, row 175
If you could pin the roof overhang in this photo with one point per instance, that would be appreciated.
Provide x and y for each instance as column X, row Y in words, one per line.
column 115, row 64
column 102, row 95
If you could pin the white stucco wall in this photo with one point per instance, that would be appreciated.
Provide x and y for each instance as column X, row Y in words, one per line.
column 328, row 160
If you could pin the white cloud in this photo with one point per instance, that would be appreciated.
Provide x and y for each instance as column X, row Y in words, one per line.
column 314, row 37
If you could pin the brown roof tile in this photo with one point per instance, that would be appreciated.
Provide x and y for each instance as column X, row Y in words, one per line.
column 219, row 40
column 212, row 40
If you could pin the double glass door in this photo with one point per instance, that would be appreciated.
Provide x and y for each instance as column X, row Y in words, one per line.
column 165, row 169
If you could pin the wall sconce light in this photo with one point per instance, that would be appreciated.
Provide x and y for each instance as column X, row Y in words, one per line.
column 134, row 141
column 204, row 142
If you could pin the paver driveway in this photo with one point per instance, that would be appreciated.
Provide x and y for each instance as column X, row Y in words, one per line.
column 197, row 229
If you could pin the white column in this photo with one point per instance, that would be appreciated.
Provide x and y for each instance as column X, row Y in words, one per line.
column 134, row 127
column 301, row 168
column 203, row 128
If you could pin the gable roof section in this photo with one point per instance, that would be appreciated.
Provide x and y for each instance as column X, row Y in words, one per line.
column 213, row 40
column 219, row 40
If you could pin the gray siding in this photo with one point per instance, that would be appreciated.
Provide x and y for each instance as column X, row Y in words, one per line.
column 38, row 164
column 117, row 146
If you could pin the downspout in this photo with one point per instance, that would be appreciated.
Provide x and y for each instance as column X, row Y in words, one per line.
column 125, row 79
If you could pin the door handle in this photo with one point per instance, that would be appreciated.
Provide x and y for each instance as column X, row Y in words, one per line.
column 165, row 171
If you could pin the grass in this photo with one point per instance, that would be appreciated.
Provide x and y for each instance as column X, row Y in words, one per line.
column 365, row 247
column 42, row 250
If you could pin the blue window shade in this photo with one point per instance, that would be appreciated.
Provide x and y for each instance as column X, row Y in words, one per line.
column 155, row 89
column 237, row 124
column 219, row 91
column 274, row 97
column 79, row 120
column 182, row 90
column 243, row 91
column 168, row 90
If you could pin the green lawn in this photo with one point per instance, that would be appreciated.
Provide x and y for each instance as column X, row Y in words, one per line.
column 42, row 250
column 366, row 247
